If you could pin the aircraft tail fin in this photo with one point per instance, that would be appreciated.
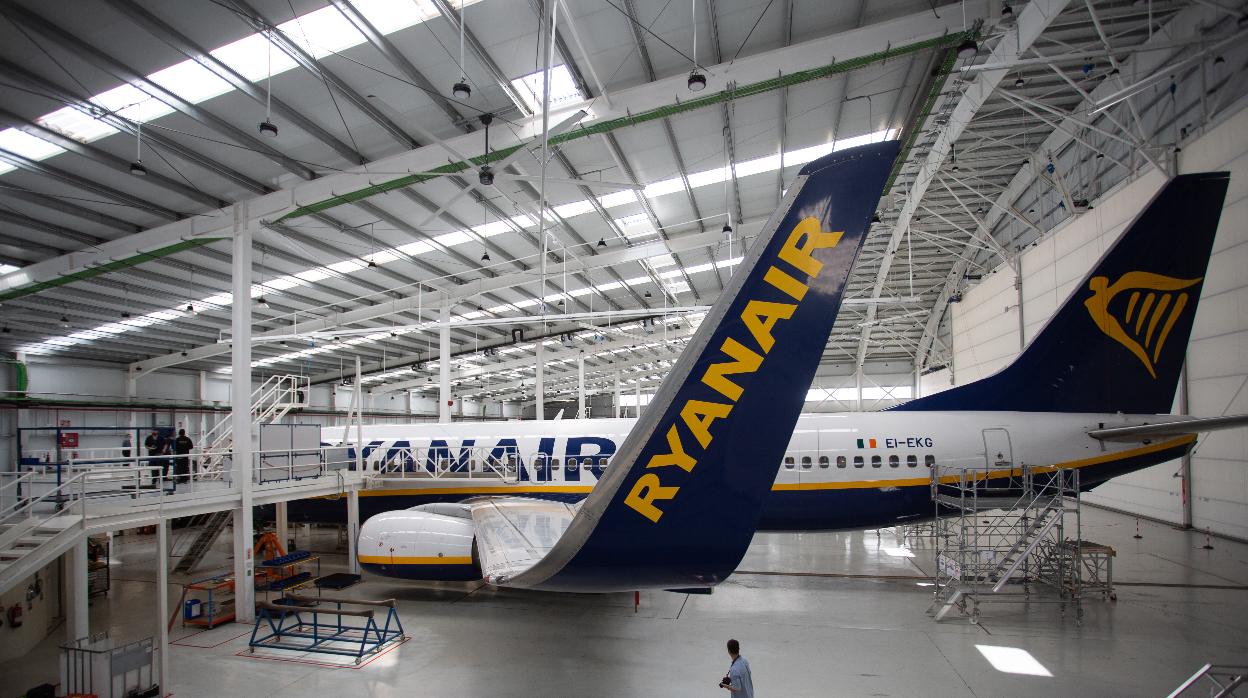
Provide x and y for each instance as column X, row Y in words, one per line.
column 680, row 502
column 1118, row 343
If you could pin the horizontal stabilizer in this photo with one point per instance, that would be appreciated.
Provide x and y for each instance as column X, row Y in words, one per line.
column 1176, row 427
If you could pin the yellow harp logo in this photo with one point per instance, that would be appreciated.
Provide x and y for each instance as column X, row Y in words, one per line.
column 1153, row 304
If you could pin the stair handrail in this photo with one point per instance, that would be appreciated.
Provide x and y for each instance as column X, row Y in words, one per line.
column 13, row 489
column 1036, row 538
column 58, row 493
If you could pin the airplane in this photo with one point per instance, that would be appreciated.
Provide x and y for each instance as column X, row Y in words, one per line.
column 711, row 460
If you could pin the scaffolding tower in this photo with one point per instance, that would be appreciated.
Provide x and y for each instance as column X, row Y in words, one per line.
column 1002, row 529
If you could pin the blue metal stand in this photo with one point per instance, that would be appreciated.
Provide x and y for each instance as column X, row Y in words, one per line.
column 283, row 626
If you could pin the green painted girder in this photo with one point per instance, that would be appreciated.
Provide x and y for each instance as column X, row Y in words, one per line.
column 609, row 125
column 134, row 261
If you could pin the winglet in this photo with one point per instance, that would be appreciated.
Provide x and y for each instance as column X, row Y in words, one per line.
column 681, row 501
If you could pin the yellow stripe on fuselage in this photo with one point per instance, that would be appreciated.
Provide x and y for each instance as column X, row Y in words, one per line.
column 796, row 486
column 399, row 560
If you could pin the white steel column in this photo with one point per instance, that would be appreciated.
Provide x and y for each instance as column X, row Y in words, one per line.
column 540, row 388
column 281, row 522
column 162, row 604
column 580, row 386
column 638, row 414
column 353, row 529
column 617, row 393
column 203, row 400
column 444, row 365
column 240, row 408
column 357, row 398
column 77, row 623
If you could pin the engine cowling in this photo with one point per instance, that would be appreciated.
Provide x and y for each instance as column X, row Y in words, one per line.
column 431, row 541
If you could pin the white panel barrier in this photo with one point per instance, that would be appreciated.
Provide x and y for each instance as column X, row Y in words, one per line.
column 985, row 332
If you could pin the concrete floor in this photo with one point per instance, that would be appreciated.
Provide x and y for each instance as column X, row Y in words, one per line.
column 825, row 614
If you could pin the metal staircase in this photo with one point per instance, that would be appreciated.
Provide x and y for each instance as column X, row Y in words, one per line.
column 34, row 530
column 274, row 399
column 210, row 527
column 1001, row 525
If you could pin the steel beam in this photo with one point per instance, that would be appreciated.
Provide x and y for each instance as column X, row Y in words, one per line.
column 185, row 46
column 1032, row 21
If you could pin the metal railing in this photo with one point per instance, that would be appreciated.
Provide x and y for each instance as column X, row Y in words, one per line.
column 1225, row 679
column 509, row 466
column 274, row 399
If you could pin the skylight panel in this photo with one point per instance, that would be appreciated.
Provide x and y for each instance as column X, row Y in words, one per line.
column 7, row 269
column 132, row 103
column 191, row 81
column 250, row 56
column 322, row 32
column 458, row 237
column 70, row 122
column 563, row 89
column 26, row 145
column 663, row 260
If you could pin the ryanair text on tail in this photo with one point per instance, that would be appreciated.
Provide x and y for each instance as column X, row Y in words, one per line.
column 746, row 356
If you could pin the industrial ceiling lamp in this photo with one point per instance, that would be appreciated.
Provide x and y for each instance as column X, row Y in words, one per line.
column 267, row 127
column 1019, row 81
column 1007, row 13
column 602, row 243
column 262, row 301
column 968, row 48
column 136, row 168
column 461, row 90
column 64, row 321
column 697, row 81
column 486, row 175
column 727, row 229
column 485, row 255
column 190, row 308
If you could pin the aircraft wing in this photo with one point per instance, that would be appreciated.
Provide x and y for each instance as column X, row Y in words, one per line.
column 1171, row 427
column 513, row 533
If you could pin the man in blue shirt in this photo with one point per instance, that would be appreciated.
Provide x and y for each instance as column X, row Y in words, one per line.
column 738, row 680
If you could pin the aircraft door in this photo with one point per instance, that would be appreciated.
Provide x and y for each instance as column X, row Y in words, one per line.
column 998, row 453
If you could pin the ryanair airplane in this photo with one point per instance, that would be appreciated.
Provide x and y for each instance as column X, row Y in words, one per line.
column 671, row 500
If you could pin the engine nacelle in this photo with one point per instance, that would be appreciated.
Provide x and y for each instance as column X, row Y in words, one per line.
column 431, row 541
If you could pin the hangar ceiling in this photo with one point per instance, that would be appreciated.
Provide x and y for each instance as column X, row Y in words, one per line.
column 1061, row 101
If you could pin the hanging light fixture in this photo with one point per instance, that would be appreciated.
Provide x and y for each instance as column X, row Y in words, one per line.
column 262, row 301
column 968, row 48
column 190, row 308
column 727, row 229
column 697, row 81
column 1019, row 81
column 64, row 321
column 461, row 90
column 602, row 243
column 267, row 127
column 136, row 168
column 485, row 256
column 486, row 174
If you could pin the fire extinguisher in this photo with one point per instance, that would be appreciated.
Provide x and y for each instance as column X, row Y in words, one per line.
column 15, row 615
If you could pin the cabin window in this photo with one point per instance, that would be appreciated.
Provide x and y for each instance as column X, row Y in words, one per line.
column 823, row 462
column 807, row 463
column 840, row 461
column 912, row 461
column 929, row 460
column 554, row 464
column 857, row 461
column 893, row 461
column 572, row 463
column 876, row 461
column 788, row 462
column 602, row 462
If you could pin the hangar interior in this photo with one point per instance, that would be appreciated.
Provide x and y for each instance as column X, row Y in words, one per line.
column 494, row 212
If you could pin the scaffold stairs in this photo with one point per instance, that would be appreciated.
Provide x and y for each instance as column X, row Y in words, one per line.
column 270, row 402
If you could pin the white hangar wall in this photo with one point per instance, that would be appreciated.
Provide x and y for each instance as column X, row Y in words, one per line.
column 985, row 330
